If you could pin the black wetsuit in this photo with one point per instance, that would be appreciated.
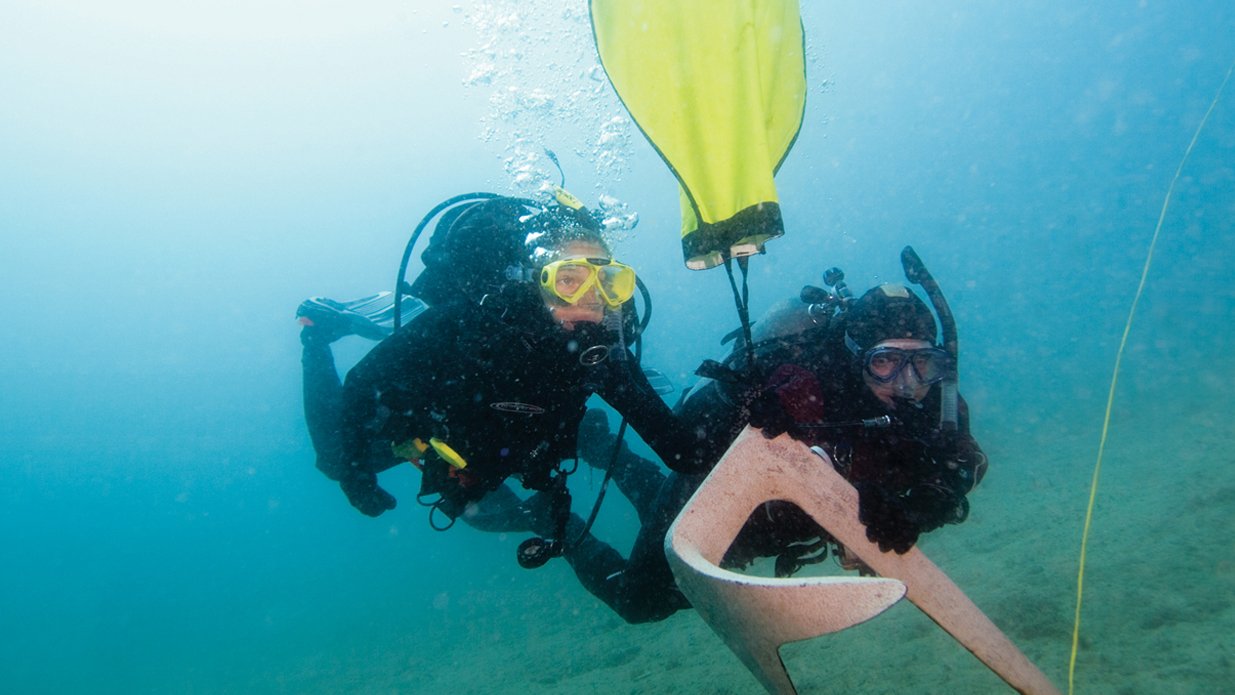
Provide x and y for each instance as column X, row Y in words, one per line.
column 888, row 463
column 508, row 397
column 806, row 385
column 502, row 510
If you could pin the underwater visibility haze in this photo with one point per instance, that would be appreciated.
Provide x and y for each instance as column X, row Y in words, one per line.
column 179, row 175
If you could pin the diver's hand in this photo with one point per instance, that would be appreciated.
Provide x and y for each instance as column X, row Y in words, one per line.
column 365, row 494
column 960, row 466
column 887, row 523
column 766, row 413
column 895, row 520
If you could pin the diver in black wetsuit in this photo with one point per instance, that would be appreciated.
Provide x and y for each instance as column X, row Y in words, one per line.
column 863, row 384
column 524, row 322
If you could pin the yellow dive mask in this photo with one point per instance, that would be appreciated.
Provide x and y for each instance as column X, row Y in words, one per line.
column 572, row 278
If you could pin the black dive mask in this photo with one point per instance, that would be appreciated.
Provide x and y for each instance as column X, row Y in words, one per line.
column 929, row 365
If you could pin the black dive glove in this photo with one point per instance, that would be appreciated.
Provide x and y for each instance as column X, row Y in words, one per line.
column 767, row 413
column 365, row 494
column 895, row 519
column 960, row 465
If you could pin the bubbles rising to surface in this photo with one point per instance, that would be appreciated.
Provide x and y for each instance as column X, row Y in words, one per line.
column 616, row 217
column 536, row 62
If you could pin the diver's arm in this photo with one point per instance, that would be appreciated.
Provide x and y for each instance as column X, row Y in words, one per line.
column 716, row 413
column 362, row 390
column 628, row 391
column 384, row 372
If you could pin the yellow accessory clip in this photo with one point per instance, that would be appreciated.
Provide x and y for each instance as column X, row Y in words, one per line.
column 448, row 455
column 414, row 450
column 572, row 278
column 566, row 198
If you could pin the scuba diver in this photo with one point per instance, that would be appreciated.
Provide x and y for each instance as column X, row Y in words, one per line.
column 863, row 379
column 520, row 315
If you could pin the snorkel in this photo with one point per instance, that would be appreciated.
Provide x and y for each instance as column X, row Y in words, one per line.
column 916, row 272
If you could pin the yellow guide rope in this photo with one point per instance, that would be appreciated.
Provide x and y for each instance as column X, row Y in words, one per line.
column 1110, row 397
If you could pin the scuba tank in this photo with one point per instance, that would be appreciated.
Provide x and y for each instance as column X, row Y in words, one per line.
column 801, row 320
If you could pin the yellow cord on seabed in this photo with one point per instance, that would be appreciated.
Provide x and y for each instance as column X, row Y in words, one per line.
column 1110, row 397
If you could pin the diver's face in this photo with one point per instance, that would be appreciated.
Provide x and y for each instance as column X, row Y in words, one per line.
column 906, row 384
column 589, row 308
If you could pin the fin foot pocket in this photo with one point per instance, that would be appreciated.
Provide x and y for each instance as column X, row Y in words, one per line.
column 369, row 317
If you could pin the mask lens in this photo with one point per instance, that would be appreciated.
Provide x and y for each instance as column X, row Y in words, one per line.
column 931, row 365
column 617, row 283
column 571, row 280
column 885, row 363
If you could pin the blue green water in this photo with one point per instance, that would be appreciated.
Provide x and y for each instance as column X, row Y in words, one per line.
column 178, row 176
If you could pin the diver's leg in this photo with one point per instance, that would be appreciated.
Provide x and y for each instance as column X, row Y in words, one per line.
column 648, row 585
column 641, row 589
column 501, row 511
column 325, row 321
column 323, row 392
column 719, row 412
column 597, row 565
column 639, row 479
column 604, row 573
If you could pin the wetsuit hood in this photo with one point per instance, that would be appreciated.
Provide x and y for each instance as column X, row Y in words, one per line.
column 887, row 312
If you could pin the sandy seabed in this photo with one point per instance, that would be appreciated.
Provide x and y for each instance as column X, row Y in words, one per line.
column 1158, row 615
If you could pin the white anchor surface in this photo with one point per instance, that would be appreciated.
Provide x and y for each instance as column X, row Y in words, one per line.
column 756, row 615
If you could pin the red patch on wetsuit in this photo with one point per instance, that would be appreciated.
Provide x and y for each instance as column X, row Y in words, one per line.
column 799, row 393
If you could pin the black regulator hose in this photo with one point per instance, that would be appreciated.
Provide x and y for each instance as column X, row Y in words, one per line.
column 411, row 243
column 621, row 433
